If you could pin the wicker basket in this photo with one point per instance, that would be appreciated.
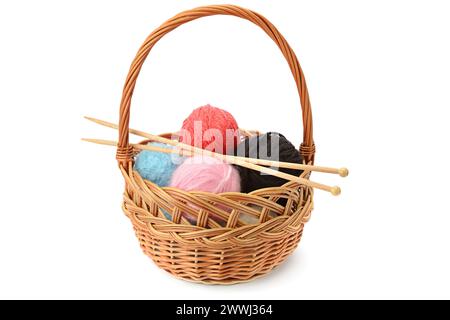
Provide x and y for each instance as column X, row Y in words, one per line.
column 209, row 252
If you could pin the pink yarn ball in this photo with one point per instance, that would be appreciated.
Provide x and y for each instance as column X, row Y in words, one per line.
column 202, row 173
column 206, row 174
column 210, row 128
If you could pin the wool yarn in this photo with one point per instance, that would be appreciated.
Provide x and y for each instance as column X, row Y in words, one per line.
column 269, row 146
column 210, row 128
column 251, row 219
column 203, row 173
column 157, row 167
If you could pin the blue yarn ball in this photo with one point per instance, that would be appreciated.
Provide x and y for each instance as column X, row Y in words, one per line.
column 166, row 214
column 157, row 166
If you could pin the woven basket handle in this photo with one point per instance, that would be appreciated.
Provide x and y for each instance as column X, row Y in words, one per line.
column 125, row 151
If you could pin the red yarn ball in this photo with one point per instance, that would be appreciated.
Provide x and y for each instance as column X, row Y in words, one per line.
column 210, row 128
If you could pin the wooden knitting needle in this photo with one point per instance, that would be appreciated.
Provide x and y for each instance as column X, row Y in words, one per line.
column 232, row 160
column 343, row 172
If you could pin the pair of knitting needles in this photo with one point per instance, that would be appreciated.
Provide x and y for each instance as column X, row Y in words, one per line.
column 251, row 163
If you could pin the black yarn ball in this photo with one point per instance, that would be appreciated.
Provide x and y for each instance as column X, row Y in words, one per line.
column 269, row 146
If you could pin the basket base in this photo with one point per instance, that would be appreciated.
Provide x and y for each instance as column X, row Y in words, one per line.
column 232, row 266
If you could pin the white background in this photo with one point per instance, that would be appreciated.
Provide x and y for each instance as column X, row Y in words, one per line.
column 378, row 75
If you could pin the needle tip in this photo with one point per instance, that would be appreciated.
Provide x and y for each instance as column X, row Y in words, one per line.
column 335, row 191
column 343, row 172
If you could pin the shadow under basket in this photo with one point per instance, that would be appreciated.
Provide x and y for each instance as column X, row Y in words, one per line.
column 224, row 246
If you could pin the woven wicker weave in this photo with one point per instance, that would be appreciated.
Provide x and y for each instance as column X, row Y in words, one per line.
column 210, row 252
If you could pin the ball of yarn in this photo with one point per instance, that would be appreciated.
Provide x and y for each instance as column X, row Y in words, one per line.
column 210, row 128
column 206, row 174
column 157, row 167
column 202, row 173
column 269, row 146
column 251, row 219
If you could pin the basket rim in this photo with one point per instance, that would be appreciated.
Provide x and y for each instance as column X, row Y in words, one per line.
column 210, row 234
